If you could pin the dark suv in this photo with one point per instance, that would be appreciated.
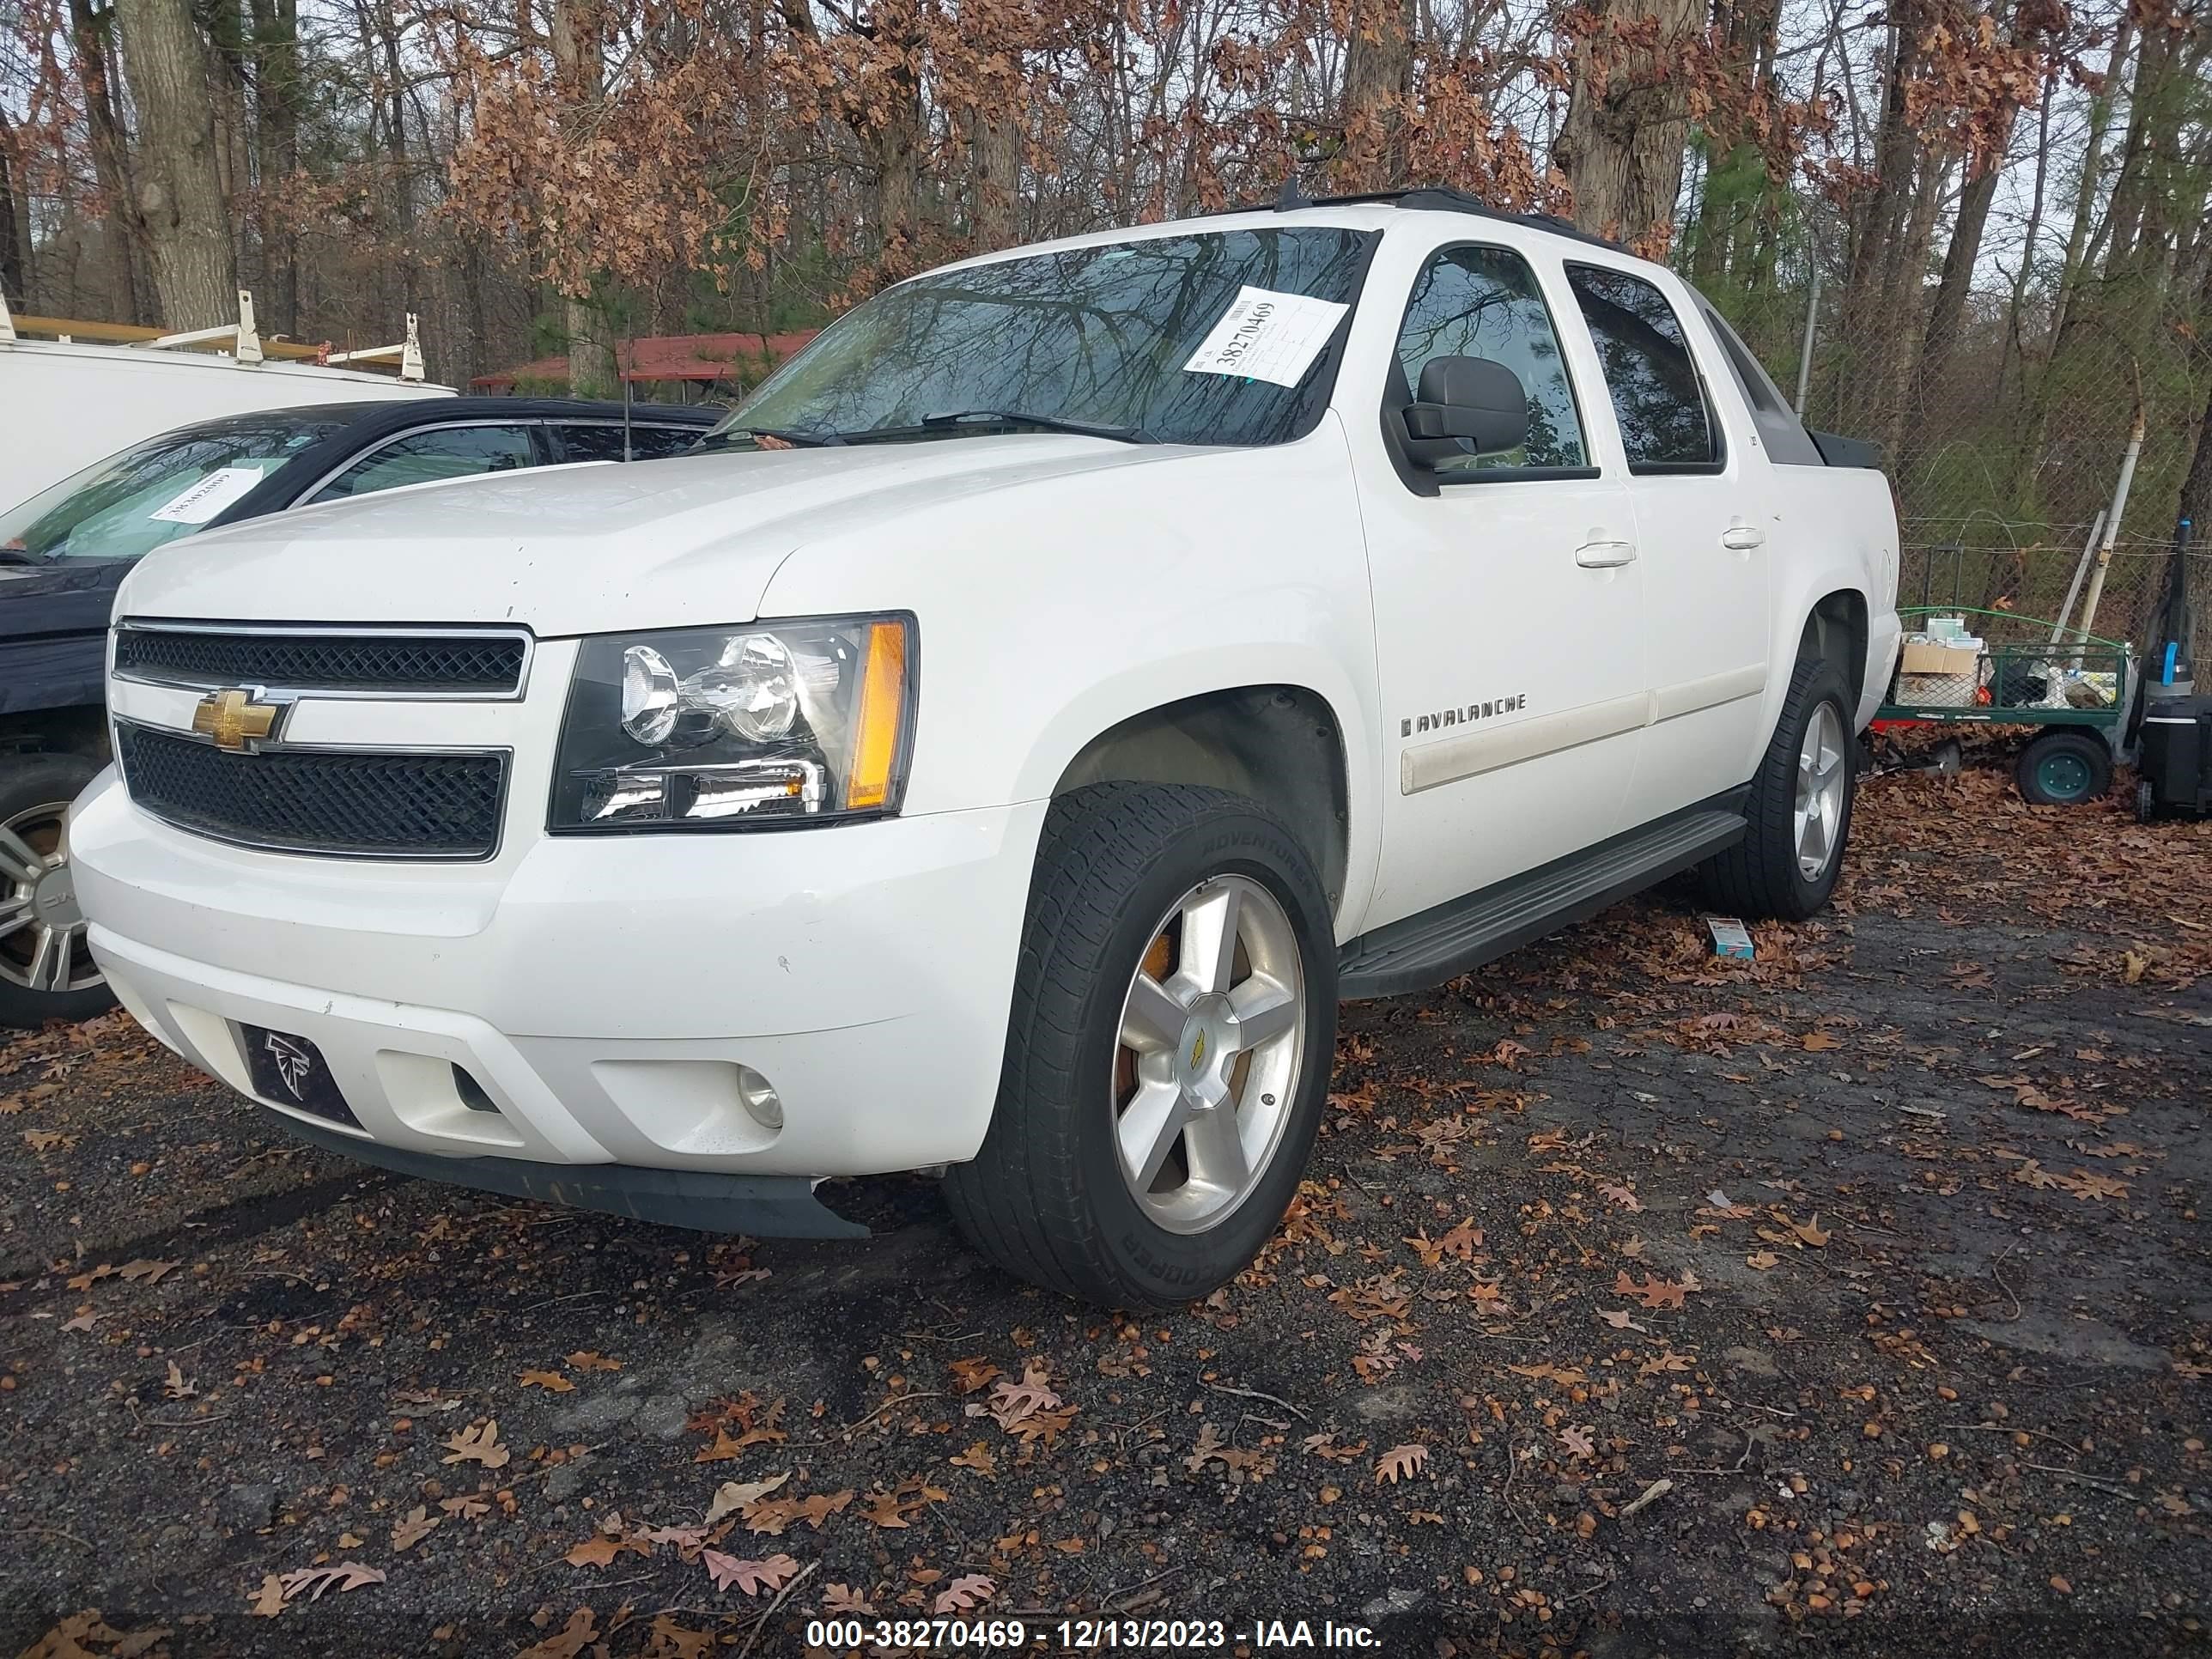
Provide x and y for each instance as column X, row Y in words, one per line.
column 64, row 552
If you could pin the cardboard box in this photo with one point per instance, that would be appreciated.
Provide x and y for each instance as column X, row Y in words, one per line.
column 1928, row 657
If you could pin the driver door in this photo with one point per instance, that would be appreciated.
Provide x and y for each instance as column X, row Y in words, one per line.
column 1509, row 606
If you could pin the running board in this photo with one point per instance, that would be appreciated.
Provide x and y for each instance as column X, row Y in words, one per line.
column 1443, row 943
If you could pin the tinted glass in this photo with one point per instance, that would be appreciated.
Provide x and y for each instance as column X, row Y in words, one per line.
column 156, row 491
column 1097, row 335
column 1483, row 302
column 646, row 443
column 460, row 452
column 1657, row 395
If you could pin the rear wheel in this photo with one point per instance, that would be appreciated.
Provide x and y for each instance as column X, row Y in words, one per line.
column 45, row 970
column 1173, row 1026
column 1799, row 815
column 2063, row 769
column 2146, row 801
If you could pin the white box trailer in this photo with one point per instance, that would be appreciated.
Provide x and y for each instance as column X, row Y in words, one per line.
column 69, row 401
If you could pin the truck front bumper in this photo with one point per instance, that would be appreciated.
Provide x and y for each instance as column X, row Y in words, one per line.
column 602, row 1004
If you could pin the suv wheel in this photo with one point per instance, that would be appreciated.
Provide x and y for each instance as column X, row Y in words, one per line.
column 45, row 970
column 1800, row 812
column 1173, row 1027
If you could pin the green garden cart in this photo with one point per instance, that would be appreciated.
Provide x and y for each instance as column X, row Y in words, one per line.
column 2074, row 691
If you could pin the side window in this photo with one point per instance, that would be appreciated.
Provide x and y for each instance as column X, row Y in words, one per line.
column 1483, row 302
column 455, row 451
column 1779, row 428
column 646, row 443
column 1666, row 425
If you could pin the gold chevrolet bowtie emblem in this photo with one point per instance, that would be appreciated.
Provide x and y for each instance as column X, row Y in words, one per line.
column 233, row 719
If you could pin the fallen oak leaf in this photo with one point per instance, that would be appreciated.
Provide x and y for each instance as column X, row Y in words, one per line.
column 1762, row 1260
column 566, row 1643
column 601, row 1550
column 843, row 1598
column 1624, row 1196
column 269, row 1601
column 734, row 1495
column 750, row 1576
column 1578, row 1441
column 345, row 1574
column 419, row 1525
column 467, row 1507
column 586, row 1360
column 551, row 1382
column 1652, row 1293
column 973, row 1375
column 1401, row 1463
column 479, row 1443
column 977, row 1457
column 968, row 1591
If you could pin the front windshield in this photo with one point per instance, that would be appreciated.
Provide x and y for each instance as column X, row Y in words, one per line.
column 153, row 492
column 1125, row 339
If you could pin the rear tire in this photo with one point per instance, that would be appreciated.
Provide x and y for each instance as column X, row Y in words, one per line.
column 2146, row 801
column 1799, row 817
column 1215, row 1089
column 2063, row 769
column 45, row 970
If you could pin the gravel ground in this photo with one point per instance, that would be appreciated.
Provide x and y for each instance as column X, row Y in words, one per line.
column 1852, row 1301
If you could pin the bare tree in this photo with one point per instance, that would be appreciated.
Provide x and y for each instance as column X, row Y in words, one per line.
column 179, row 196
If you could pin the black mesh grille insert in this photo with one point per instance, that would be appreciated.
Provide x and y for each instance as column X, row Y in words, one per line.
column 486, row 665
column 308, row 801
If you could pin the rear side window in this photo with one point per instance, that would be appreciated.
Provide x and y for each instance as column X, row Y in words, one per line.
column 457, row 452
column 1483, row 302
column 1783, row 434
column 646, row 443
column 1666, row 423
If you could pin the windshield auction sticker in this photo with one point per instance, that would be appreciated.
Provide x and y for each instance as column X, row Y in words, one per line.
column 1266, row 335
column 198, row 501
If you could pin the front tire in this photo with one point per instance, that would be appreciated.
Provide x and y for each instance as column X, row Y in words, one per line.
column 1799, row 817
column 45, row 970
column 1173, row 1026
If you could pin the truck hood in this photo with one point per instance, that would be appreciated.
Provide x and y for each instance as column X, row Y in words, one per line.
column 589, row 549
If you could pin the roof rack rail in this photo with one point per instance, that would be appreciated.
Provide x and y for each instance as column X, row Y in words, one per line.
column 1436, row 199
column 247, row 346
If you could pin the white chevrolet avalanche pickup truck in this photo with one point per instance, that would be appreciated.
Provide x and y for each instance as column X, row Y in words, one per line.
column 1001, row 749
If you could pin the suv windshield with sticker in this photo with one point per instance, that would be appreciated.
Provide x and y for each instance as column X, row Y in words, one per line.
column 1222, row 337
column 151, row 492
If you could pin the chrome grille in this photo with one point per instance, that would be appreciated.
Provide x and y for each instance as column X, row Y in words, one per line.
column 428, row 663
column 358, row 803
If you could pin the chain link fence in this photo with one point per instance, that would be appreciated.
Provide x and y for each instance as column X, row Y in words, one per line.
column 2003, row 433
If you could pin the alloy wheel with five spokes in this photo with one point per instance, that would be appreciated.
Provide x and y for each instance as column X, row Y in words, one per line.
column 1212, row 1035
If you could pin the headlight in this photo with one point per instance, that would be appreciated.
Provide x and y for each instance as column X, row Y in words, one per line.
column 788, row 722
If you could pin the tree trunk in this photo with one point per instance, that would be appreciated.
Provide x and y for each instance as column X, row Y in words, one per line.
column 1378, row 76
column 581, row 69
column 180, row 190
column 994, row 155
column 1620, row 146
column 276, row 143
column 1946, row 318
column 92, row 45
column 13, row 287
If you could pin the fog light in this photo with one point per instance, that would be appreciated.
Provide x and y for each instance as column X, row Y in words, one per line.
column 761, row 1099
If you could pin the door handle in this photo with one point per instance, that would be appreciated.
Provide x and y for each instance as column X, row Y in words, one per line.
column 1604, row 555
column 1743, row 538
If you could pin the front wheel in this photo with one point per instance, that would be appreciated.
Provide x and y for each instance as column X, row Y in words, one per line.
column 1799, row 814
column 1173, row 1025
column 46, row 971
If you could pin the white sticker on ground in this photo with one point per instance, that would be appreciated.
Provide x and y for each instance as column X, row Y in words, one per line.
column 198, row 501
column 1266, row 335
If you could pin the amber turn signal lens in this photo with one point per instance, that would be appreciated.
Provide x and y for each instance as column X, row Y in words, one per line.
column 883, row 701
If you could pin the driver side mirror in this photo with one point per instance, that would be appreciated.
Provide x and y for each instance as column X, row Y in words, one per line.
column 1471, row 398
